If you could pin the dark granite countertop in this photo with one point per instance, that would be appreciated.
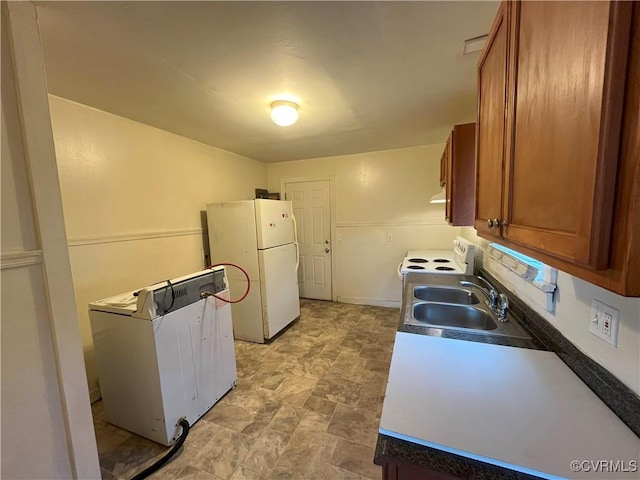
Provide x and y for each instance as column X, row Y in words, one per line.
column 390, row 449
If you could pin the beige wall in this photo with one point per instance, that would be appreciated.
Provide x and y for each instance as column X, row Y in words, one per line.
column 46, row 423
column 573, row 314
column 132, row 197
column 377, row 194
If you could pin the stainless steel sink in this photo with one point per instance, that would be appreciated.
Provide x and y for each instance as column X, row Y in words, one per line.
column 446, row 295
column 439, row 305
column 449, row 315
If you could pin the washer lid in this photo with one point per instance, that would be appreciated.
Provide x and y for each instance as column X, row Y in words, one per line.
column 123, row 304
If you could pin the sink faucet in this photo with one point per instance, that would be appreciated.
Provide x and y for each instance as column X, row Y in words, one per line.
column 500, row 309
column 492, row 295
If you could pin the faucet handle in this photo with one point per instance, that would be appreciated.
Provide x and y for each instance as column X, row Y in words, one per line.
column 493, row 298
column 502, row 307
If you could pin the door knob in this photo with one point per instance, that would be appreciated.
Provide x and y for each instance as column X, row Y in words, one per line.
column 489, row 223
column 327, row 250
column 327, row 242
column 496, row 223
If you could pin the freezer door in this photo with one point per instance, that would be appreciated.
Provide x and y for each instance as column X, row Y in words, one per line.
column 279, row 281
column 274, row 223
column 232, row 236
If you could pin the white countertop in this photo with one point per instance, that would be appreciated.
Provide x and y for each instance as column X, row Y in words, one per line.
column 513, row 407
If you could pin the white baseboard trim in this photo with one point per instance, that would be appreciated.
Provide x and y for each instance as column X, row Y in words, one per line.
column 370, row 301
column 94, row 395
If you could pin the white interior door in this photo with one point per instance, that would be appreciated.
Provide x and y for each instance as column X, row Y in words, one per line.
column 311, row 208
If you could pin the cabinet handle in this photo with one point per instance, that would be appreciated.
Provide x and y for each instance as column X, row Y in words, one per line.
column 504, row 223
column 489, row 223
column 496, row 223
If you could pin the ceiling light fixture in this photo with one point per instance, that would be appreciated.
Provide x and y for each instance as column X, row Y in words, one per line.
column 440, row 197
column 284, row 113
column 473, row 45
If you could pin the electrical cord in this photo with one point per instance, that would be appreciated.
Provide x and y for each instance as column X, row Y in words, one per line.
column 211, row 294
column 173, row 296
column 160, row 463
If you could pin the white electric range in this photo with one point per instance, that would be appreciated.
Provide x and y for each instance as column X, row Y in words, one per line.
column 459, row 260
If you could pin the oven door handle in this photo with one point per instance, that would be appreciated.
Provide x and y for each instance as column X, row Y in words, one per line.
column 399, row 270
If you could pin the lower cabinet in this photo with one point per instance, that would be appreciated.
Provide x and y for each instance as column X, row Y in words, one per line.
column 394, row 470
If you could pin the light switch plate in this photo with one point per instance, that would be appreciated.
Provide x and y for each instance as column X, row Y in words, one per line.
column 604, row 322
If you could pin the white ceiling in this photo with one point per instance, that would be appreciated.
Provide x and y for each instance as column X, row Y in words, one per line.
column 367, row 75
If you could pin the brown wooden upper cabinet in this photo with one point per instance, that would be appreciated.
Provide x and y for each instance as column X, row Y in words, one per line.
column 490, row 144
column 558, row 142
column 444, row 160
column 457, row 175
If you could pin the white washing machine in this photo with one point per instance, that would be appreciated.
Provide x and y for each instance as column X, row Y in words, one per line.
column 164, row 352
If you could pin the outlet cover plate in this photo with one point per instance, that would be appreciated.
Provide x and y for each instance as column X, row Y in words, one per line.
column 604, row 322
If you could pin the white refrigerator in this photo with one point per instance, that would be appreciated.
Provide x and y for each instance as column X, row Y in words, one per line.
column 259, row 236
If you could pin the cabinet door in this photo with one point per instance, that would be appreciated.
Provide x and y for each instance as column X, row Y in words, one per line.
column 490, row 144
column 565, row 110
column 461, row 175
column 443, row 167
column 405, row 471
column 447, row 157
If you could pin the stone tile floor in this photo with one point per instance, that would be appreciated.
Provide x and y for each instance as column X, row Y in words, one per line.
column 306, row 406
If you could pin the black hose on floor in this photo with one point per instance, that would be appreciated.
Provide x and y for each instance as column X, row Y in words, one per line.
column 160, row 463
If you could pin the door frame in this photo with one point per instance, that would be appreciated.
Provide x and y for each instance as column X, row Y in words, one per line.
column 332, row 220
column 60, row 320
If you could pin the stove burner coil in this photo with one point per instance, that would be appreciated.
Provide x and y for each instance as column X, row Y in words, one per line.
column 445, row 269
column 417, row 267
column 418, row 260
column 441, row 260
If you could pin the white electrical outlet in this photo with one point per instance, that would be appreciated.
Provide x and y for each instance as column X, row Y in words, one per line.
column 604, row 322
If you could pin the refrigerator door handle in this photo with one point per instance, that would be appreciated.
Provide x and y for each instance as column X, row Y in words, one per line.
column 295, row 228
column 295, row 240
